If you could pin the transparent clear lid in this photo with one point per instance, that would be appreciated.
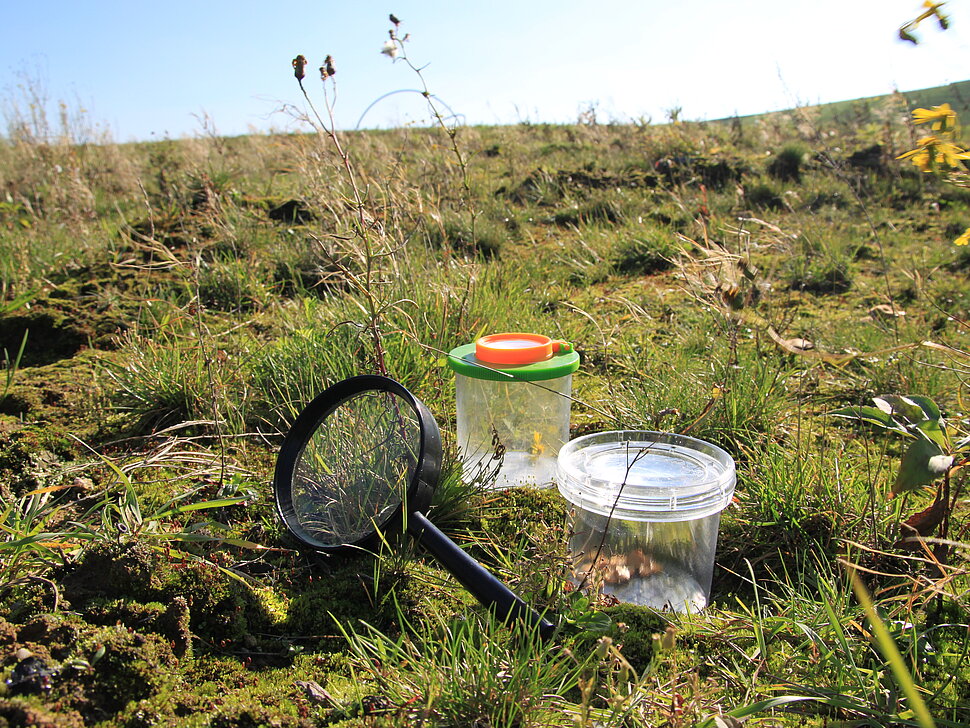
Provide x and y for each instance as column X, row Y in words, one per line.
column 646, row 476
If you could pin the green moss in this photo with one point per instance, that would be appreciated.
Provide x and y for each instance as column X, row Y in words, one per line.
column 98, row 670
column 169, row 620
column 221, row 691
column 274, row 604
column 22, row 712
column 51, row 636
column 521, row 534
column 133, row 666
column 220, row 608
column 344, row 593
column 633, row 630
column 51, row 336
column 55, row 399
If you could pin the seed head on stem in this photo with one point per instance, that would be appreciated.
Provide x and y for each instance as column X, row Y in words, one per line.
column 299, row 67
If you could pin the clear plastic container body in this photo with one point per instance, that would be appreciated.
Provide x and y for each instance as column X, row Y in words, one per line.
column 665, row 565
column 646, row 509
column 524, row 423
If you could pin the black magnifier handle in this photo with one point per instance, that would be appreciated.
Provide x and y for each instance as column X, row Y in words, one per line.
column 473, row 576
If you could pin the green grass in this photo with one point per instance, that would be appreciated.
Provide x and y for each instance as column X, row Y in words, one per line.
column 201, row 319
column 863, row 111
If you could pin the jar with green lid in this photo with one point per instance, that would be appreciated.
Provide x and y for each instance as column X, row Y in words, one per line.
column 512, row 398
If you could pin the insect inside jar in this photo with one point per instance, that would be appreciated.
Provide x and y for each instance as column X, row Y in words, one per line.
column 621, row 568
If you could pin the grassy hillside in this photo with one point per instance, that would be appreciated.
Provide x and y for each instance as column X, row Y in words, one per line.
column 872, row 108
column 168, row 309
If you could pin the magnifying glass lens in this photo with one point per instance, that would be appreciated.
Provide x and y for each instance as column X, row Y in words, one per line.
column 362, row 455
column 353, row 473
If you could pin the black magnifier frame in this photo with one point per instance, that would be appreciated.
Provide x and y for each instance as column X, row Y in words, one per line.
column 410, row 512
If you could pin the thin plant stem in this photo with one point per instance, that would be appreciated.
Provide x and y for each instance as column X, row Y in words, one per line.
column 365, row 288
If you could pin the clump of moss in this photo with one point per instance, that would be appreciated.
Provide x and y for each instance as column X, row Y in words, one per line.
column 510, row 513
column 21, row 712
column 529, row 526
column 51, row 335
column 96, row 671
column 50, row 636
column 633, row 630
column 224, row 692
column 133, row 666
column 219, row 607
column 170, row 621
column 30, row 457
column 345, row 592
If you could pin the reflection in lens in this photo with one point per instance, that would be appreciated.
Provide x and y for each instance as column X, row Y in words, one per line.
column 356, row 467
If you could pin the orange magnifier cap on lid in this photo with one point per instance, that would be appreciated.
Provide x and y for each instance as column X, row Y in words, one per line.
column 513, row 349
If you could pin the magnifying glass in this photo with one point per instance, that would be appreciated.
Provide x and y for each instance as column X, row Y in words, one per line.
column 363, row 459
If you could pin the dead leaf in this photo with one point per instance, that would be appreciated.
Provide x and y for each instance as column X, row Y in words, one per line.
column 886, row 310
column 801, row 344
column 83, row 483
column 315, row 693
column 789, row 345
column 922, row 524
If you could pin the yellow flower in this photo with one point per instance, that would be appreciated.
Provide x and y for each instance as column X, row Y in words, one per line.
column 921, row 157
column 943, row 117
column 951, row 155
column 963, row 239
column 933, row 151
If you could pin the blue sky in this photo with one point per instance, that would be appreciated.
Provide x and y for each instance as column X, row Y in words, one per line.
column 149, row 70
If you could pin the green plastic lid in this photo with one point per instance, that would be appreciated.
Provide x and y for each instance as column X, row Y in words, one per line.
column 537, row 358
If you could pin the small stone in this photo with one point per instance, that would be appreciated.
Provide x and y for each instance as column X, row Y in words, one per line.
column 23, row 653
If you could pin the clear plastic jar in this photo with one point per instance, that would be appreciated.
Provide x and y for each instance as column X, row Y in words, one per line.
column 645, row 516
column 512, row 400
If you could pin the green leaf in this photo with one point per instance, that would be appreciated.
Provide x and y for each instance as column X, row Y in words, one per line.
column 593, row 621
column 204, row 505
column 901, row 408
column 930, row 410
column 922, row 463
column 872, row 415
column 933, row 431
